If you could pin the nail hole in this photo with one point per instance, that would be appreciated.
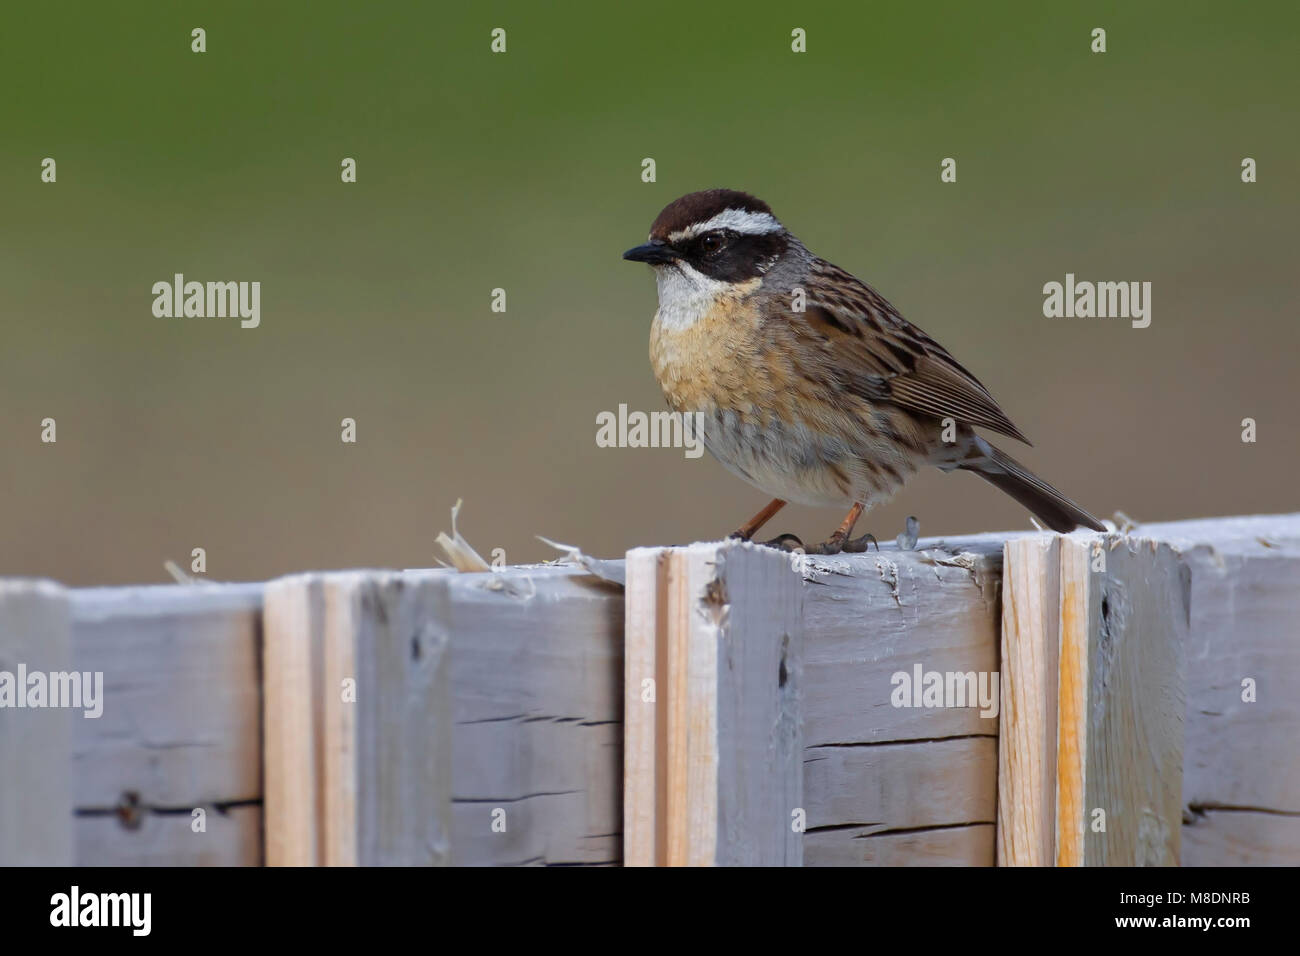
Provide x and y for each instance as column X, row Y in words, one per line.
column 129, row 812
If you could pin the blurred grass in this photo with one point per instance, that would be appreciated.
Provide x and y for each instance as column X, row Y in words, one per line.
column 522, row 171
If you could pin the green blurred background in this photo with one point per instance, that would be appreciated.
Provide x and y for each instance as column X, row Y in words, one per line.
column 522, row 171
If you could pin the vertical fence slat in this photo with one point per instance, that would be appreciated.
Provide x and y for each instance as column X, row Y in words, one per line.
column 1241, row 784
column 718, row 628
column 358, row 744
column 1116, row 738
column 1029, row 678
column 35, row 742
column 292, row 635
column 641, row 796
column 1129, row 634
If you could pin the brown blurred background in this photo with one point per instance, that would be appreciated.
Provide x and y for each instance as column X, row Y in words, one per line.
column 522, row 171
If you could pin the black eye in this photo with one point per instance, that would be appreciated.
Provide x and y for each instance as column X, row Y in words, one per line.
column 712, row 242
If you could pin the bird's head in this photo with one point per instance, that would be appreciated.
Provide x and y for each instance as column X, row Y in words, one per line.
column 713, row 239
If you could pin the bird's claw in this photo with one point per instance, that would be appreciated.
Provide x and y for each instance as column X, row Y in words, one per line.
column 832, row 545
column 837, row 545
column 785, row 542
column 859, row 545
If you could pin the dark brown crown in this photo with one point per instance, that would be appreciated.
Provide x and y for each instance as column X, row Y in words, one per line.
column 701, row 207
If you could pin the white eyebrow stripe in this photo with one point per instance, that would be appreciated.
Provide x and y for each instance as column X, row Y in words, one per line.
column 737, row 220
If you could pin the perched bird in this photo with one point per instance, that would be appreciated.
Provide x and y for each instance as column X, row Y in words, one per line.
column 810, row 385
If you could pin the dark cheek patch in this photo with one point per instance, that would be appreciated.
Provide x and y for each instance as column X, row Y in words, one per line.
column 740, row 260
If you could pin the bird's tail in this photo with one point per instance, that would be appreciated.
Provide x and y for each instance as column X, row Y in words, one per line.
column 1002, row 471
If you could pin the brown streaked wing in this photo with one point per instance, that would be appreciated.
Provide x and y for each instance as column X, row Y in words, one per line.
column 880, row 355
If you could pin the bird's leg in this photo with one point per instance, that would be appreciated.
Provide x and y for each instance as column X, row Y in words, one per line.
column 835, row 543
column 750, row 527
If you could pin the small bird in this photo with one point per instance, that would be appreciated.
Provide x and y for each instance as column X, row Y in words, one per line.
column 810, row 386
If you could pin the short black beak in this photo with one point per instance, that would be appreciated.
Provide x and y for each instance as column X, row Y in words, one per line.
column 656, row 252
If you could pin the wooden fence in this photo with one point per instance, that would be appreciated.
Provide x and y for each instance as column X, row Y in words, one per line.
column 1015, row 699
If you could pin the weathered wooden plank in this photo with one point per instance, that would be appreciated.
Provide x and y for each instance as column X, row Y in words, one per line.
column 1027, row 770
column 948, row 846
column 233, row 837
column 1124, row 623
column 292, row 718
column 725, row 621
column 181, row 727
column 35, row 742
column 868, row 619
column 871, row 616
column 1243, row 715
column 536, row 658
column 909, row 785
column 357, row 721
column 644, row 789
column 1121, row 632
column 1241, row 838
column 509, row 749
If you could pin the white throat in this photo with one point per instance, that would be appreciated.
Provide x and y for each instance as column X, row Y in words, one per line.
column 686, row 295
